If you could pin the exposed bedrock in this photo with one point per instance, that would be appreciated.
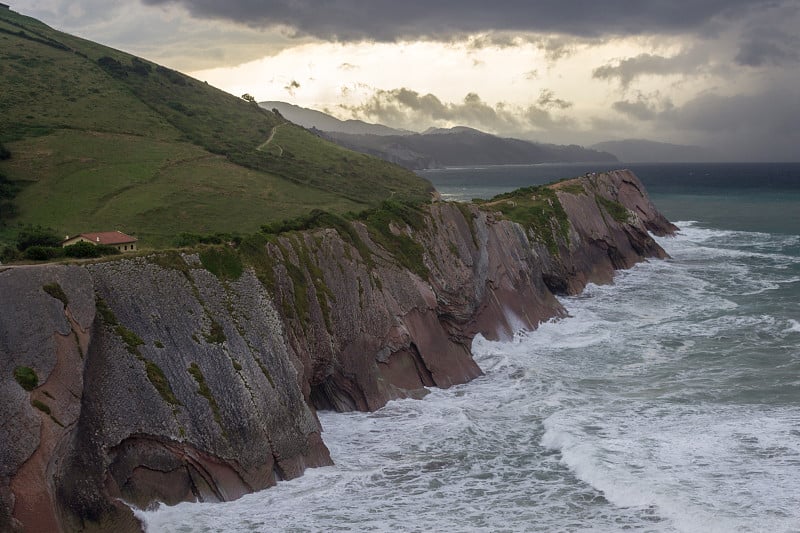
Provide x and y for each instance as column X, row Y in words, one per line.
column 196, row 376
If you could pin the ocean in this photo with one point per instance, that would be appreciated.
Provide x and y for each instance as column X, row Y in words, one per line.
column 668, row 401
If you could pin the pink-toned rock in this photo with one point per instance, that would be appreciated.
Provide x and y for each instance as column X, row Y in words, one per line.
column 177, row 385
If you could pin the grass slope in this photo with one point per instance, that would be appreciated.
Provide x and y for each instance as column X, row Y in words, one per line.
column 102, row 140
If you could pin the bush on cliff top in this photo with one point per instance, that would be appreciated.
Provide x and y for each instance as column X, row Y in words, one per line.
column 223, row 262
column 402, row 246
column 538, row 210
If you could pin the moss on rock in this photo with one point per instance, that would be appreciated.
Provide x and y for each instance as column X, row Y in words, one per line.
column 26, row 377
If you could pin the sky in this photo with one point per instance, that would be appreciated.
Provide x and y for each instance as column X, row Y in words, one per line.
column 724, row 74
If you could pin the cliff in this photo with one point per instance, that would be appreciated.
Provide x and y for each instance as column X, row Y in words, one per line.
column 183, row 376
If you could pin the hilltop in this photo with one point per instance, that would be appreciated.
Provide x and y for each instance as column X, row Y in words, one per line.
column 435, row 147
column 311, row 118
column 462, row 146
column 102, row 140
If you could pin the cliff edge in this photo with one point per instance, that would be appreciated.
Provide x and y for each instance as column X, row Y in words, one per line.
column 197, row 375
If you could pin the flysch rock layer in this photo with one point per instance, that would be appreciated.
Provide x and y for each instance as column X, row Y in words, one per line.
column 160, row 382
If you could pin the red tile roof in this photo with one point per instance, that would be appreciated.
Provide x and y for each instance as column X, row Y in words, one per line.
column 109, row 237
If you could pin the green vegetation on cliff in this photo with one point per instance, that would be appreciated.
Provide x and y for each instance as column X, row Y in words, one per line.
column 102, row 140
column 55, row 290
column 617, row 211
column 26, row 377
column 537, row 209
column 205, row 392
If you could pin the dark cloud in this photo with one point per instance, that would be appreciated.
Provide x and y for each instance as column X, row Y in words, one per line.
column 389, row 20
column 547, row 100
column 768, row 47
column 645, row 107
column 757, row 126
column 627, row 70
column 291, row 86
column 638, row 109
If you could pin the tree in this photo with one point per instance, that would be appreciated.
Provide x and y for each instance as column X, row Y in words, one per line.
column 249, row 97
column 37, row 236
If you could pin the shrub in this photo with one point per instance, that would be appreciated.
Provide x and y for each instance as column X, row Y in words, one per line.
column 112, row 66
column 82, row 249
column 222, row 262
column 161, row 383
column 193, row 239
column 8, row 188
column 55, row 290
column 9, row 253
column 37, row 236
column 204, row 391
column 43, row 253
column 106, row 249
column 43, row 407
column 8, row 210
column 26, row 377
column 131, row 339
column 617, row 211
column 140, row 67
column 216, row 335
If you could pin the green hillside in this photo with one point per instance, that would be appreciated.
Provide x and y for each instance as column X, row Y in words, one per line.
column 102, row 140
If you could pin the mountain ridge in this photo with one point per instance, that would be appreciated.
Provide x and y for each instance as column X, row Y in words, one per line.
column 437, row 147
column 313, row 119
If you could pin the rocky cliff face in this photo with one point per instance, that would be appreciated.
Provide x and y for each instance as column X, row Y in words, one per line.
column 190, row 376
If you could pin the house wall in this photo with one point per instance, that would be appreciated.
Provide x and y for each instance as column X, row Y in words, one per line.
column 127, row 247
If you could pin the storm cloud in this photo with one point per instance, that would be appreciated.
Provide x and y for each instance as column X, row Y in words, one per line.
column 721, row 73
column 769, row 46
column 389, row 20
column 627, row 70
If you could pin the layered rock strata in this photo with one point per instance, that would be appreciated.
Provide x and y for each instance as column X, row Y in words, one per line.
column 195, row 376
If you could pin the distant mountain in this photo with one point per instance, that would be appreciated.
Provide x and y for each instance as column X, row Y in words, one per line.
column 644, row 151
column 310, row 118
column 462, row 146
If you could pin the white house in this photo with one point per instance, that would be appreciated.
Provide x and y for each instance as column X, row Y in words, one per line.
column 117, row 239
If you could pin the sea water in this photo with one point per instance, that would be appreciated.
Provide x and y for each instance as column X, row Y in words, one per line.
column 666, row 401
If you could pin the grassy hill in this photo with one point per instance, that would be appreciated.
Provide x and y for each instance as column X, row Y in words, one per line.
column 101, row 140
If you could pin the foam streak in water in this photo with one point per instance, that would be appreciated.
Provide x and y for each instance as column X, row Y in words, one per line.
column 669, row 401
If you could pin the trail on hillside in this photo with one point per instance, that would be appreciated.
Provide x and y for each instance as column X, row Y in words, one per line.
column 266, row 143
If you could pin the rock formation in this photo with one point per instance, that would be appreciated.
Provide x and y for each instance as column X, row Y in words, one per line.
column 196, row 376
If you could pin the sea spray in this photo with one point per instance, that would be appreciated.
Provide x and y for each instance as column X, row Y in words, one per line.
column 667, row 401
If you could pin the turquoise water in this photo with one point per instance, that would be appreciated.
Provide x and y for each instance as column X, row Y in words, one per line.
column 722, row 195
column 668, row 401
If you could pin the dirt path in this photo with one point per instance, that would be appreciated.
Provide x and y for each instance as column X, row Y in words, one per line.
column 266, row 143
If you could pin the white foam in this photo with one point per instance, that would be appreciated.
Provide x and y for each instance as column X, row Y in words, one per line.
column 794, row 326
column 620, row 416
